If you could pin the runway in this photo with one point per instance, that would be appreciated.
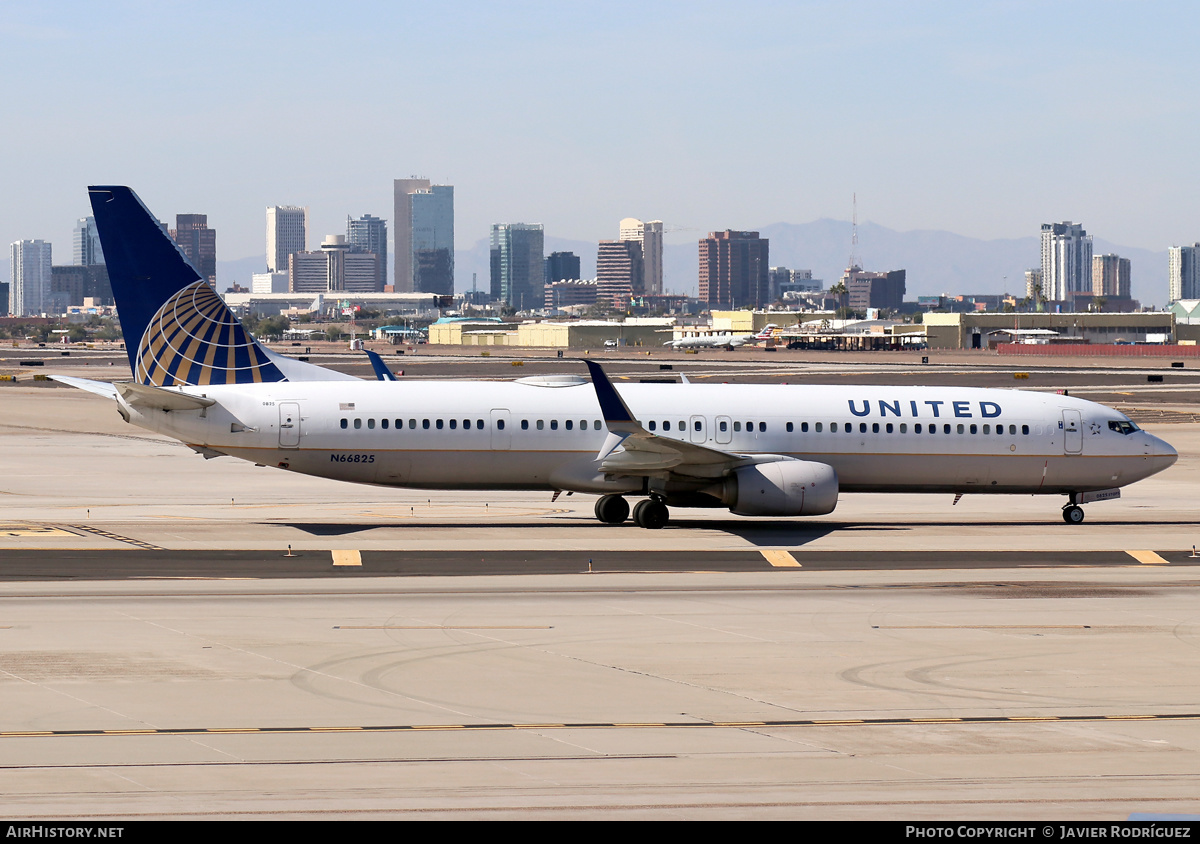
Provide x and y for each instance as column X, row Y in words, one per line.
column 504, row 656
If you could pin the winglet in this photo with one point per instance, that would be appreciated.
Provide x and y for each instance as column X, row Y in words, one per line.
column 381, row 370
column 612, row 406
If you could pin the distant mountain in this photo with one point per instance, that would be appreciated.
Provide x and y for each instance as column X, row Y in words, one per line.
column 937, row 261
column 239, row 270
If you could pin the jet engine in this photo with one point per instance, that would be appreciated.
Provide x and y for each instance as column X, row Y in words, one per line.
column 782, row 488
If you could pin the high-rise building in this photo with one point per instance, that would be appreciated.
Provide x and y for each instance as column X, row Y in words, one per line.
column 1183, row 272
column 335, row 269
column 30, row 274
column 874, row 290
column 1110, row 276
column 1066, row 261
column 734, row 269
column 71, row 284
column 650, row 236
column 561, row 266
column 1033, row 284
column 198, row 243
column 85, row 243
column 369, row 234
column 620, row 272
column 518, row 277
column 424, row 237
column 287, row 232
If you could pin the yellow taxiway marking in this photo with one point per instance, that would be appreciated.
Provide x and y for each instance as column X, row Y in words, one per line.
column 780, row 559
column 33, row 530
column 1148, row 558
column 347, row 558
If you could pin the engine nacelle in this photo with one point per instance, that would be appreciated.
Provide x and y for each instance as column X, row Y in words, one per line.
column 782, row 488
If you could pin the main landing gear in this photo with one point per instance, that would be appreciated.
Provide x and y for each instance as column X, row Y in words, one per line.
column 650, row 513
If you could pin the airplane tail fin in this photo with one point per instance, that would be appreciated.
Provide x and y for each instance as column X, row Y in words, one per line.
column 178, row 331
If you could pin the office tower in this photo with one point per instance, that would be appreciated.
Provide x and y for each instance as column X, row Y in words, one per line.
column 1183, row 272
column 287, row 232
column 1110, row 276
column 518, row 277
column 369, row 234
column 30, row 274
column 198, row 243
column 1033, row 284
column 734, row 269
column 85, row 243
column 874, row 290
column 620, row 273
column 71, row 284
column 650, row 236
column 570, row 291
column 4, row 288
column 334, row 269
column 424, row 237
column 1066, row 260
column 562, row 266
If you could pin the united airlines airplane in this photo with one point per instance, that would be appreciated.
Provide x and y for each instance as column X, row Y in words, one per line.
column 757, row 450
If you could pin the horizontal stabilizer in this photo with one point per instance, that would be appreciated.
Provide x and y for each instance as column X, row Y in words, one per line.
column 100, row 388
column 157, row 398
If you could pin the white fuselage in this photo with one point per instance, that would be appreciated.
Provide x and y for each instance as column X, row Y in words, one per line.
column 512, row 435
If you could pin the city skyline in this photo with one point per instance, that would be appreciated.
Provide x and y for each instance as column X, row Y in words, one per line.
column 945, row 98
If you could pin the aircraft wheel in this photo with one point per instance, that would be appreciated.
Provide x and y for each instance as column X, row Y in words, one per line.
column 612, row 509
column 651, row 514
column 1073, row 514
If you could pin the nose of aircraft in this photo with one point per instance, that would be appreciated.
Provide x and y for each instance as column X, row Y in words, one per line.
column 1164, row 454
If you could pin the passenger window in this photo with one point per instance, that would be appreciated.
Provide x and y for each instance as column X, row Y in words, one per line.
column 889, row 427
column 453, row 424
column 862, row 427
column 946, row 428
column 425, row 424
column 1025, row 430
column 570, row 424
column 371, row 424
column 762, row 427
column 439, row 424
column 596, row 425
column 818, row 427
column 383, row 423
column 499, row 424
column 724, row 426
column 833, row 427
column 804, row 427
column 357, row 423
column 974, row 429
column 466, row 424
column 737, row 426
column 696, row 425
column 583, row 424
column 652, row 424
column 917, row 428
column 874, row 427
column 540, row 425
column 553, row 424
column 345, row 424
column 789, row 427
column 479, row 424
column 961, row 428
column 903, row 428
column 412, row 424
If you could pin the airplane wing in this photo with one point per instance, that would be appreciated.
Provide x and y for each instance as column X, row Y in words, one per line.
column 632, row 450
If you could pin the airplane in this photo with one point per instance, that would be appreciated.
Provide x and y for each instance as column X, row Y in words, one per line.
column 756, row 450
column 722, row 341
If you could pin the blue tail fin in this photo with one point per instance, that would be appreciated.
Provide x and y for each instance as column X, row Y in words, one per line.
column 177, row 329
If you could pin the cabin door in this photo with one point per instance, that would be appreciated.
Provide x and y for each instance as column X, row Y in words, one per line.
column 1072, row 432
column 501, row 435
column 699, row 429
column 289, row 424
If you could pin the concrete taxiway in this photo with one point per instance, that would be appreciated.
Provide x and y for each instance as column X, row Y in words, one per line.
column 448, row 655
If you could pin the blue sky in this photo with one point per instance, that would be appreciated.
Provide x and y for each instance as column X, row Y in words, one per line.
column 985, row 119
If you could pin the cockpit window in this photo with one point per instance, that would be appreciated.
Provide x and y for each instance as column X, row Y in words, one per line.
column 1122, row 426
